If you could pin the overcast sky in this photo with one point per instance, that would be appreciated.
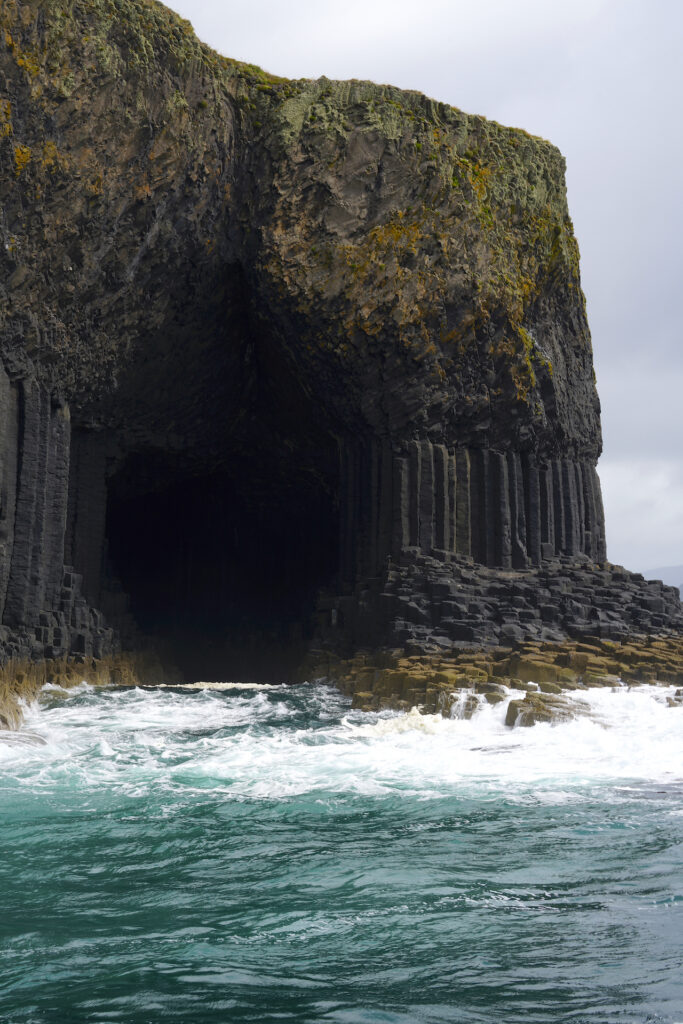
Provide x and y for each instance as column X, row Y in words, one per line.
column 603, row 80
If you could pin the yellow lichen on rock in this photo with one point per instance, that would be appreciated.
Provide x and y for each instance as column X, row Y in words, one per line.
column 21, row 682
column 552, row 674
column 22, row 157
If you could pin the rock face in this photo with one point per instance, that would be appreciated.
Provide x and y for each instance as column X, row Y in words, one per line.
column 263, row 339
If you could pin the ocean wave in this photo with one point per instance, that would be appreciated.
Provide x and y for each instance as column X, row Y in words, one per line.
column 280, row 742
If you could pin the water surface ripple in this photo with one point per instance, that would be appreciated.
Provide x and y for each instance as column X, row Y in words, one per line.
column 266, row 854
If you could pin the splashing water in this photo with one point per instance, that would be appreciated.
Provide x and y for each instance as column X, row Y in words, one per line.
column 231, row 853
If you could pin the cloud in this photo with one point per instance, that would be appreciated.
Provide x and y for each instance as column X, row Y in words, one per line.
column 389, row 41
column 644, row 509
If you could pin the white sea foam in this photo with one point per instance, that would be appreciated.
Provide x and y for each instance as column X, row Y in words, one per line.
column 20, row 738
column 219, row 686
column 55, row 688
column 629, row 733
column 277, row 742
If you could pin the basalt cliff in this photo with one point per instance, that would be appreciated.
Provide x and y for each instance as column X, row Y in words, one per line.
column 284, row 365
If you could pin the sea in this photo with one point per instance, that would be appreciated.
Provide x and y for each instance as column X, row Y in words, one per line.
column 225, row 853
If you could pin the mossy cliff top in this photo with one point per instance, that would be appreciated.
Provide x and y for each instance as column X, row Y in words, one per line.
column 414, row 268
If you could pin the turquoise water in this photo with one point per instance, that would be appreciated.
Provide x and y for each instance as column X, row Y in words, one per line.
column 237, row 854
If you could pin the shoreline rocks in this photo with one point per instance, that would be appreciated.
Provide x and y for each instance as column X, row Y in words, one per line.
column 22, row 680
column 552, row 674
column 552, row 677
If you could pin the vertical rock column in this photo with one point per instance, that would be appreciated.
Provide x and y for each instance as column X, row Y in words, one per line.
column 444, row 493
column 42, row 471
column 533, row 509
column 9, row 453
column 367, row 523
column 594, row 515
column 519, row 542
column 419, row 497
column 501, row 514
column 462, row 542
column 502, row 509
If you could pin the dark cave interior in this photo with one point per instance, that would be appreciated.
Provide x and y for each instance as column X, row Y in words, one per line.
column 223, row 585
column 222, row 481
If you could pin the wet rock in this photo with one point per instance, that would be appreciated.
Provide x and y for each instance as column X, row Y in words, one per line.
column 462, row 680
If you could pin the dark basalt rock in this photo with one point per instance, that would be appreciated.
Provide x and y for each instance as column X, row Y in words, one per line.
column 280, row 357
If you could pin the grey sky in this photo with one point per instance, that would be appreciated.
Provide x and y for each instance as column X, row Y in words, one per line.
column 603, row 80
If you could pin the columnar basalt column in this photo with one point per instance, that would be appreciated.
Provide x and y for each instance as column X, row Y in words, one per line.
column 442, row 521
column 56, row 489
column 42, row 467
column 414, row 488
column 503, row 500
column 9, row 453
column 463, row 516
column 572, row 513
column 547, row 507
column 518, row 523
column 533, row 508
column 400, row 522
column 501, row 508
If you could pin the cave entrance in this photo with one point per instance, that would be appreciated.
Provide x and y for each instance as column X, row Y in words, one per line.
column 221, row 578
column 222, row 480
